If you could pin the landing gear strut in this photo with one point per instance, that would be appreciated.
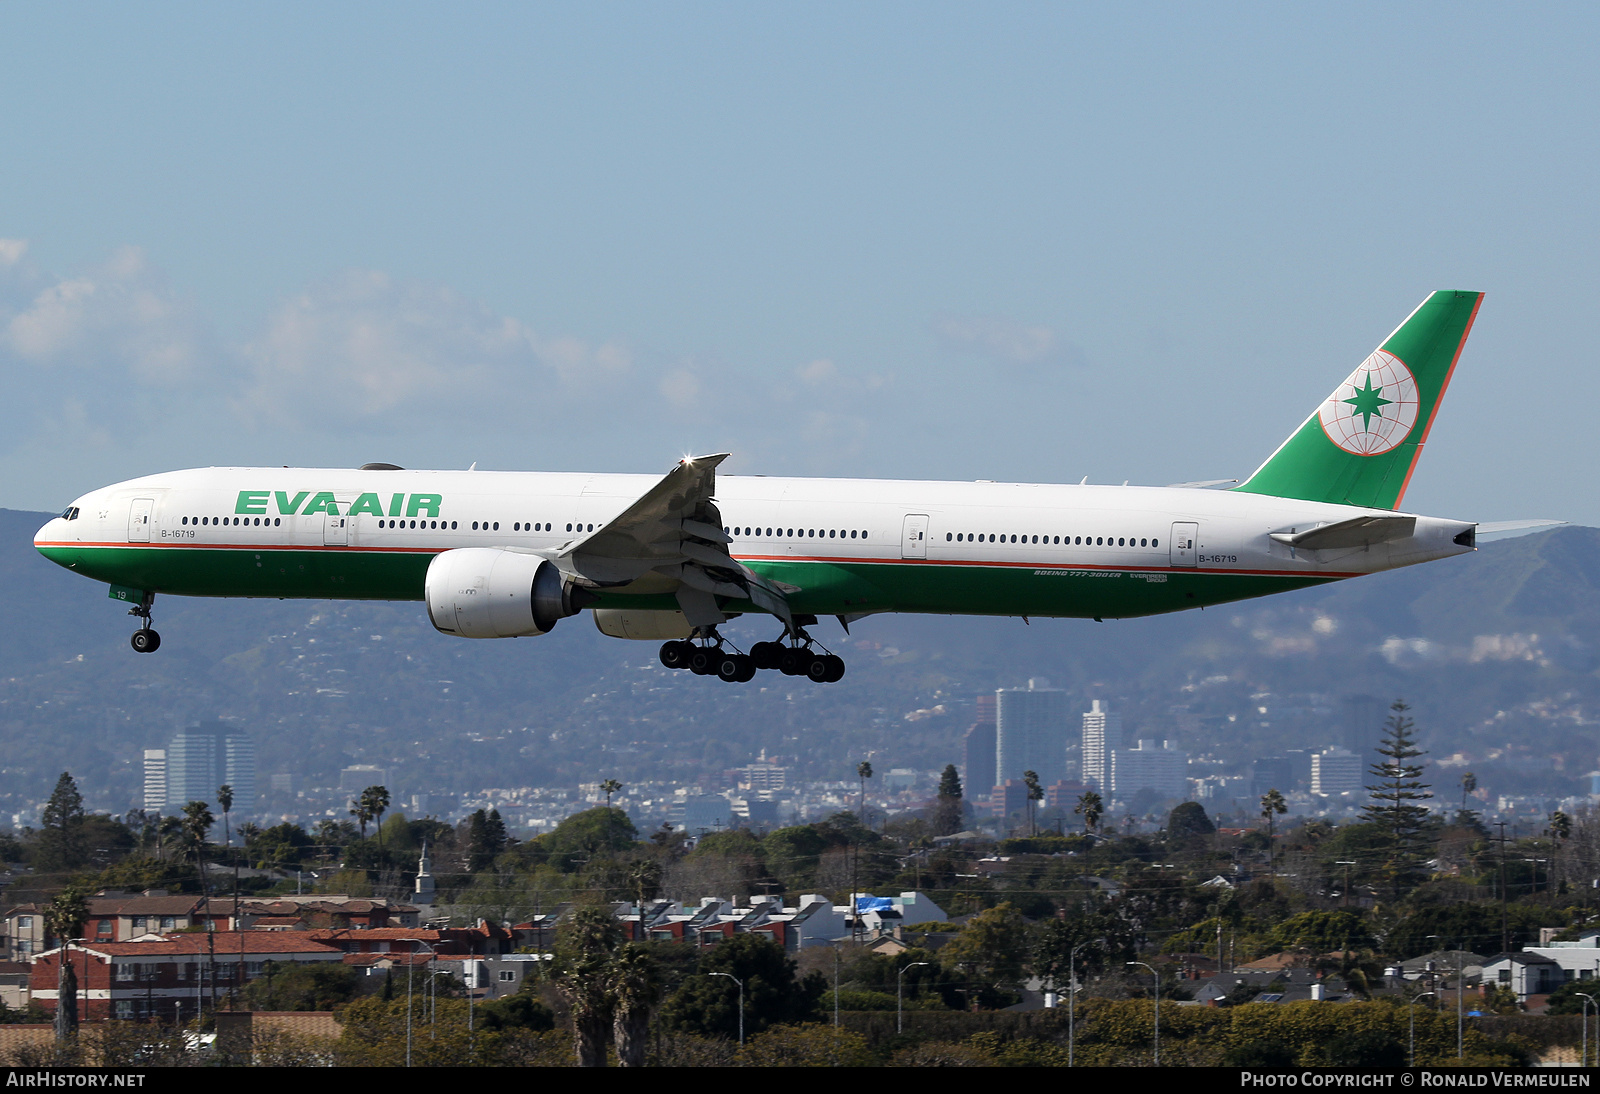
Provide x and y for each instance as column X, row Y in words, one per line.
column 144, row 640
column 713, row 658
column 797, row 657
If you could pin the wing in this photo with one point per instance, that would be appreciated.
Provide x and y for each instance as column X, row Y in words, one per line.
column 671, row 539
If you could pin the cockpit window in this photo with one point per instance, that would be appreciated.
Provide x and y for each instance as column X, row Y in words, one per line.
column 70, row 513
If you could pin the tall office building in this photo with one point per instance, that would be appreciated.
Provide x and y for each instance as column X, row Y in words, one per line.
column 1163, row 771
column 1336, row 771
column 155, row 780
column 201, row 759
column 1102, row 732
column 1363, row 717
column 978, row 776
column 1030, row 733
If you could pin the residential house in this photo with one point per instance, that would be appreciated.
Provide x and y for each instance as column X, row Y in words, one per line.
column 167, row 978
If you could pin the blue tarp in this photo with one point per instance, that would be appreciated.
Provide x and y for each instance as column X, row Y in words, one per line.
column 874, row 904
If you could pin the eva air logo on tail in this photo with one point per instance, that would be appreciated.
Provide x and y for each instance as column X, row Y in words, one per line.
column 1373, row 410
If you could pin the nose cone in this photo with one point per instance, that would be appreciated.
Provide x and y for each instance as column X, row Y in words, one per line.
column 53, row 532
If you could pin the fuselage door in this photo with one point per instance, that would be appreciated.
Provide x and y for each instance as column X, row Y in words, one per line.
column 139, row 520
column 335, row 529
column 1185, row 544
column 914, row 537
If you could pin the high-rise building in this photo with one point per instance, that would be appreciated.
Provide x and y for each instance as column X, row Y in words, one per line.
column 155, row 780
column 1163, row 771
column 1030, row 732
column 1102, row 732
column 201, row 759
column 357, row 777
column 978, row 775
column 1271, row 773
column 1363, row 718
column 1335, row 771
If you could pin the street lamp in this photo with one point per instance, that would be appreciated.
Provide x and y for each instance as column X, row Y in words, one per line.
column 1157, row 977
column 1413, row 1009
column 1072, row 1005
column 1461, row 1051
column 899, row 995
column 410, row 967
column 736, row 980
column 1583, row 1054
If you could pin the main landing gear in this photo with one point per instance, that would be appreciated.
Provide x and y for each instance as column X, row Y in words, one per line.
column 711, row 656
column 144, row 640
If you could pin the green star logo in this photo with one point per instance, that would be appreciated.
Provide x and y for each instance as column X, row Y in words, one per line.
column 1367, row 402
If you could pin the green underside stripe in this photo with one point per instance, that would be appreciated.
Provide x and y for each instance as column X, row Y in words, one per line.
column 827, row 588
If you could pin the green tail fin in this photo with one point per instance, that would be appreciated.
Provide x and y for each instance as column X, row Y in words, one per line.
column 1362, row 444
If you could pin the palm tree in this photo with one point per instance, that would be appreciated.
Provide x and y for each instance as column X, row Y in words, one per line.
column 609, row 787
column 636, row 990
column 64, row 920
column 1092, row 809
column 225, row 799
column 1035, row 794
column 375, row 799
column 864, row 772
column 1272, row 805
column 359, row 810
column 197, row 822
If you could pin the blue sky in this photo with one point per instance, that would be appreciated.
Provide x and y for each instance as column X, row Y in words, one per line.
column 1019, row 241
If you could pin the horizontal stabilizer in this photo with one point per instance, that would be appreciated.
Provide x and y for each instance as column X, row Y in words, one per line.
column 1355, row 532
column 1488, row 528
column 1201, row 485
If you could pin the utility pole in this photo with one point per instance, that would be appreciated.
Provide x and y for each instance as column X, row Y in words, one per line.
column 1505, row 930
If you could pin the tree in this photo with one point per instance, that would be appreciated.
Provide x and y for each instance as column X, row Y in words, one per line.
column 196, row 825
column 773, row 993
column 1091, row 808
column 583, row 953
column 1030, row 779
column 1560, row 826
column 1272, row 806
column 373, row 803
column 1469, row 783
column 64, row 920
column 636, row 990
column 948, row 810
column 225, row 799
column 864, row 772
column 1189, row 819
column 61, row 842
column 992, row 948
column 1396, row 791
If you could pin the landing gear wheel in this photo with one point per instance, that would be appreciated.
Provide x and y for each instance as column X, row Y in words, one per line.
column 794, row 661
column 735, row 668
column 766, row 654
column 675, row 655
column 819, row 668
column 145, row 640
column 703, row 660
column 835, row 669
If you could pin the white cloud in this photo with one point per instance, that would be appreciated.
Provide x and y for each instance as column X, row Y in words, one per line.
column 120, row 316
column 367, row 345
column 1003, row 340
column 12, row 250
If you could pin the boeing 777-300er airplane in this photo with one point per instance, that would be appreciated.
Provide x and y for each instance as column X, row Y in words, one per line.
column 509, row 554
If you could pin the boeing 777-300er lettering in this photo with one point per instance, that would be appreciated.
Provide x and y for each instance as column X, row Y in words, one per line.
column 509, row 554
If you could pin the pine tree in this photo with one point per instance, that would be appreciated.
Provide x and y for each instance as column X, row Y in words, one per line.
column 61, row 842
column 948, row 810
column 1396, row 793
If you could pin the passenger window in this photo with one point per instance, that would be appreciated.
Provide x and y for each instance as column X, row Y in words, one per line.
column 276, row 521
column 1155, row 543
column 1119, row 542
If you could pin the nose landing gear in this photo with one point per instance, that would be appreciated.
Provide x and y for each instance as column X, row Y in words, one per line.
column 144, row 640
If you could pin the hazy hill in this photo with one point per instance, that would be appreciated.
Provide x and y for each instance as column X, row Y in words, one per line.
column 1497, row 648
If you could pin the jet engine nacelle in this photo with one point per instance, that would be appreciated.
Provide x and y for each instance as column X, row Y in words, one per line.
column 650, row 625
column 481, row 592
